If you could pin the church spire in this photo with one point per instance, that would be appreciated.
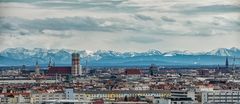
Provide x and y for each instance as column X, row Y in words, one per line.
column 226, row 63
column 50, row 62
column 37, row 68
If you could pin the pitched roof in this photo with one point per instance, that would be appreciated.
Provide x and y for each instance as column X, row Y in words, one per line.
column 132, row 72
column 59, row 70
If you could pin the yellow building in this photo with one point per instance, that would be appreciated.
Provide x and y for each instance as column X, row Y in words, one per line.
column 112, row 95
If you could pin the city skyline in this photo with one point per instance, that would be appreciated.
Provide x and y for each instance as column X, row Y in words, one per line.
column 119, row 52
column 120, row 25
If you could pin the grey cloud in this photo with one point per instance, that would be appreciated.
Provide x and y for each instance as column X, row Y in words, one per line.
column 167, row 19
column 142, row 39
column 99, row 5
column 62, row 24
column 143, row 17
column 128, row 7
column 19, row 1
column 57, row 26
column 212, row 9
column 188, row 22
column 214, row 26
column 6, row 26
column 222, row 23
column 219, row 8
column 26, row 27
column 31, row 27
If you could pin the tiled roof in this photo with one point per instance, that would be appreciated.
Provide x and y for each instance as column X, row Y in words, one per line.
column 132, row 72
column 7, row 94
column 59, row 70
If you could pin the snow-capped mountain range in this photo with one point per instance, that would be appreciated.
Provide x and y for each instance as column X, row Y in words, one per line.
column 20, row 56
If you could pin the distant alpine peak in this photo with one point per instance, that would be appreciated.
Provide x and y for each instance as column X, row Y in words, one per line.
column 20, row 51
column 219, row 52
column 176, row 52
column 88, row 52
column 19, row 56
column 153, row 52
column 234, row 49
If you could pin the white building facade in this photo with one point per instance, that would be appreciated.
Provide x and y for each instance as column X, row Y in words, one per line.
column 221, row 97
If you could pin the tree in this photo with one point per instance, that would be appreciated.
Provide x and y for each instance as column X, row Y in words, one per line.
column 126, row 98
column 138, row 98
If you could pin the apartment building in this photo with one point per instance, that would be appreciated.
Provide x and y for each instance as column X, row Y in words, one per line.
column 221, row 97
column 111, row 95
column 66, row 95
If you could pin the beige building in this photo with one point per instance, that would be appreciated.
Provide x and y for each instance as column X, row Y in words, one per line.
column 87, row 96
column 15, row 99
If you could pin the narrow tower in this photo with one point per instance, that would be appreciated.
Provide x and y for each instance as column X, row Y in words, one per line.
column 37, row 69
column 226, row 63
column 75, row 64
column 49, row 63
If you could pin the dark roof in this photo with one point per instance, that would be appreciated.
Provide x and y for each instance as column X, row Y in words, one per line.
column 59, row 70
column 181, row 99
column 13, row 94
column 132, row 72
column 124, row 91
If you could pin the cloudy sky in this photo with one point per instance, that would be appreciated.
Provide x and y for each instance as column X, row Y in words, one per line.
column 120, row 25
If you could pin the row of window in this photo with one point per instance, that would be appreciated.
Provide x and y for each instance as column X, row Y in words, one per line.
column 225, row 93
column 226, row 101
column 106, row 95
column 54, row 97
